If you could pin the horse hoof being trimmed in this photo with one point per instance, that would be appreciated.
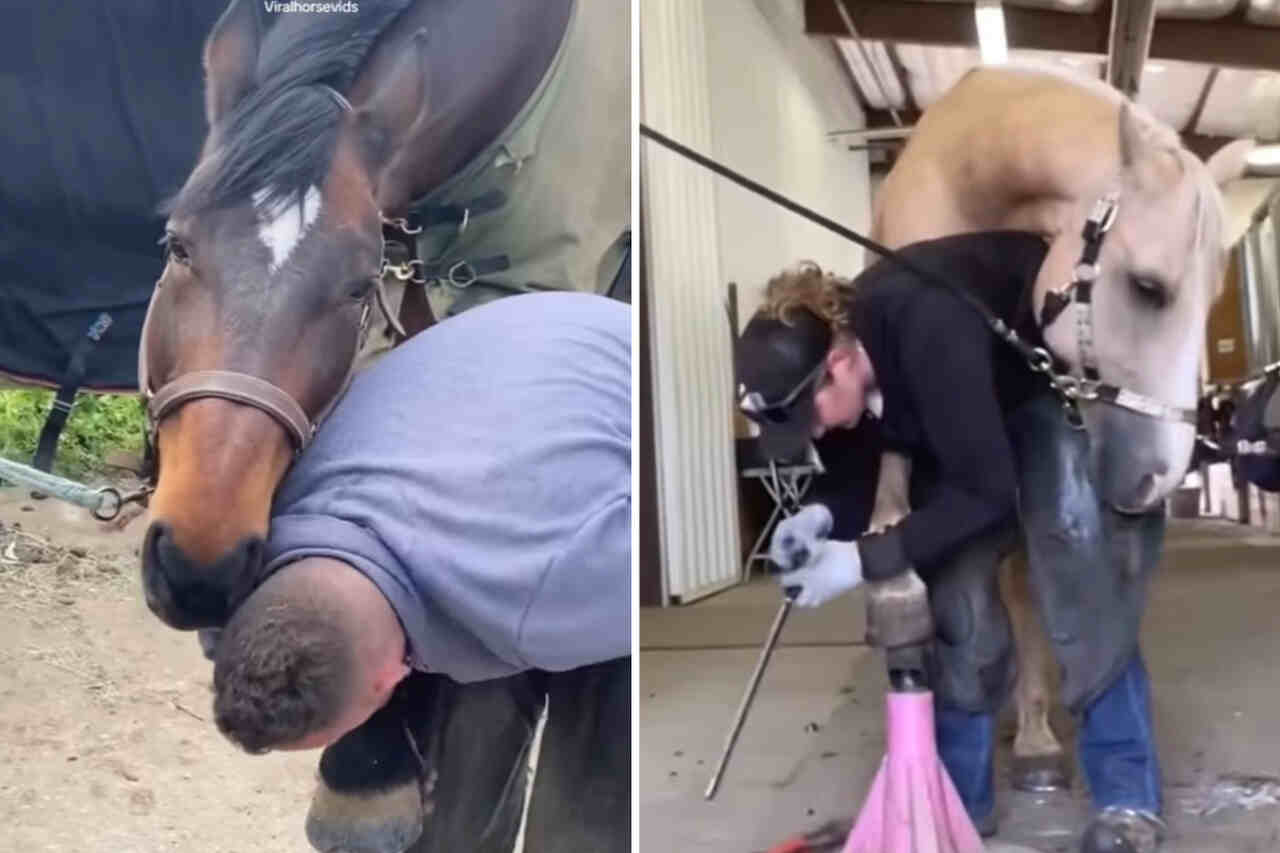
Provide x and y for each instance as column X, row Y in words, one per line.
column 385, row 822
column 1039, row 774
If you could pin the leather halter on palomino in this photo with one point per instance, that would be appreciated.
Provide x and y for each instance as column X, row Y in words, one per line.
column 255, row 391
column 1071, row 389
column 1079, row 291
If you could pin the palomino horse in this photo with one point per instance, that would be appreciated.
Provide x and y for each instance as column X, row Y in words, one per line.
column 1029, row 149
column 324, row 131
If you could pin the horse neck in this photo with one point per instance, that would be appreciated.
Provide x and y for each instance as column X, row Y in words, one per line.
column 1034, row 171
column 485, row 58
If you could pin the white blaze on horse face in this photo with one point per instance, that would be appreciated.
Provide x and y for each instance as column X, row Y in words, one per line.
column 282, row 227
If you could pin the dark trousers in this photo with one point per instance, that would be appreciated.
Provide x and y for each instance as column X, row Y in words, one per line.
column 581, row 797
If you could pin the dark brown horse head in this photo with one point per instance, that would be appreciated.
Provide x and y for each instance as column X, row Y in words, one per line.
column 274, row 250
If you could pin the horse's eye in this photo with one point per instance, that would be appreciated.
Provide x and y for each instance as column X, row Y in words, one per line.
column 177, row 251
column 360, row 289
column 1149, row 291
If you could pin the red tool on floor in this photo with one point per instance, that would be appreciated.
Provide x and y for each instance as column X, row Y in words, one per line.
column 829, row 836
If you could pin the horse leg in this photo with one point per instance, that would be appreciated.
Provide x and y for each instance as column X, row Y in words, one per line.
column 581, row 796
column 436, row 769
column 892, row 501
column 1039, row 761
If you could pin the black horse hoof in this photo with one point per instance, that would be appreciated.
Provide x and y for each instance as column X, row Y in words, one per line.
column 381, row 822
column 1116, row 830
column 1040, row 774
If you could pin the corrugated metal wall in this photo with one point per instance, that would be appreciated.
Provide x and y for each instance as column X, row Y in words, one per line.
column 692, row 365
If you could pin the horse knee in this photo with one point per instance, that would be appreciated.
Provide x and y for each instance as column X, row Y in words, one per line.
column 975, row 643
column 1061, row 527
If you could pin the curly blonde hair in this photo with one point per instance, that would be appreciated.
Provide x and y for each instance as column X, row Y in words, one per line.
column 806, row 286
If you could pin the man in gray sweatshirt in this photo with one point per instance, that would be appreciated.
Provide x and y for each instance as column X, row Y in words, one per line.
column 466, row 511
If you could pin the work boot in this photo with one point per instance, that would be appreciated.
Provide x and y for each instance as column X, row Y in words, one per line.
column 1120, row 830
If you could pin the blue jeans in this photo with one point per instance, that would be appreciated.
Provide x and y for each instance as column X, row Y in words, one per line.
column 1115, row 741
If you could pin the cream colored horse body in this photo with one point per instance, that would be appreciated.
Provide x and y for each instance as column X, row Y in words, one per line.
column 1024, row 149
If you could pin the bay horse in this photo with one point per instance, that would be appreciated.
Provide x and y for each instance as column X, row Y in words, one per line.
column 326, row 130
column 1032, row 149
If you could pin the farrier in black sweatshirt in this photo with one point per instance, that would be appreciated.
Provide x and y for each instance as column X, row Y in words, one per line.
column 947, row 383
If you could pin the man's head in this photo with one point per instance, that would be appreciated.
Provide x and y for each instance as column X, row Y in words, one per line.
column 800, row 370
column 308, row 657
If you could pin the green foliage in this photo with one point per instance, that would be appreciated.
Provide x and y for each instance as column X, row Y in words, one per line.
column 98, row 425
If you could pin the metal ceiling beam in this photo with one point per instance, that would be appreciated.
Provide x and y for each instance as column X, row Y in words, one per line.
column 1229, row 41
column 904, row 82
column 1194, row 119
column 1132, row 22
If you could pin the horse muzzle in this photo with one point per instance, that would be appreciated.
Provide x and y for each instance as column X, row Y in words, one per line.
column 187, row 595
column 1135, row 461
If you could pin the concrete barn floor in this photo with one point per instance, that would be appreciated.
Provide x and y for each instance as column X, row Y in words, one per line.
column 815, row 734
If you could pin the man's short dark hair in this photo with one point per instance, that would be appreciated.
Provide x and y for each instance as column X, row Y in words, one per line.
column 283, row 669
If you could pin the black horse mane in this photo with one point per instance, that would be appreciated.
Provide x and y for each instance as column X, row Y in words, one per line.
column 280, row 137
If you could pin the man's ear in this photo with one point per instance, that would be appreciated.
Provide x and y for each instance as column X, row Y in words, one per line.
column 388, row 676
column 842, row 355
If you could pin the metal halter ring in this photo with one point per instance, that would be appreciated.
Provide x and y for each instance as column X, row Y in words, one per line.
column 468, row 275
column 403, row 225
column 1104, row 211
column 110, row 505
column 404, row 271
column 1040, row 361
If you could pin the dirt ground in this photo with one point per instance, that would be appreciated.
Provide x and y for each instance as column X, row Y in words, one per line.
column 106, row 736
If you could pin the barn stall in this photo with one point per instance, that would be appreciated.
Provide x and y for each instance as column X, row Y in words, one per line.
column 813, row 100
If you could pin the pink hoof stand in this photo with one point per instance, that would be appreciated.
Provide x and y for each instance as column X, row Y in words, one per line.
column 913, row 806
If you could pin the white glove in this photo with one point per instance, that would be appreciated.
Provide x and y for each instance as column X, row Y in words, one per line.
column 834, row 569
column 796, row 538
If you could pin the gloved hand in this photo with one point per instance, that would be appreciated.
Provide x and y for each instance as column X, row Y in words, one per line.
column 833, row 569
column 797, row 537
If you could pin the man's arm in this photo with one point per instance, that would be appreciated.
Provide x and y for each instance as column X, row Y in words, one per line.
column 946, row 351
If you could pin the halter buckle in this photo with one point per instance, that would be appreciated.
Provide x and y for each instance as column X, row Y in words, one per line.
column 1083, row 272
column 402, row 224
column 1103, row 215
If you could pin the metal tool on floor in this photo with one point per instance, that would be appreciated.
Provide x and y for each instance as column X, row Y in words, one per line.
column 913, row 806
column 740, row 717
column 829, row 836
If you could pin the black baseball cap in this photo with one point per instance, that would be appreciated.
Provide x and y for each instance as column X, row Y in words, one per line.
column 779, row 365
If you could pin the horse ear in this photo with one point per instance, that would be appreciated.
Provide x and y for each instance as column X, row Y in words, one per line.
column 231, row 58
column 1151, row 161
column 1229, row 162
column 387, row 117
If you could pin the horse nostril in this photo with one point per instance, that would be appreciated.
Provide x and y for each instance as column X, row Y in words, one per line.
column 1147, row 490
column 188, row 594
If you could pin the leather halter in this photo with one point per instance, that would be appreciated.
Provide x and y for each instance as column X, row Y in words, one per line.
column 246, row 388
column 1079, row 292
